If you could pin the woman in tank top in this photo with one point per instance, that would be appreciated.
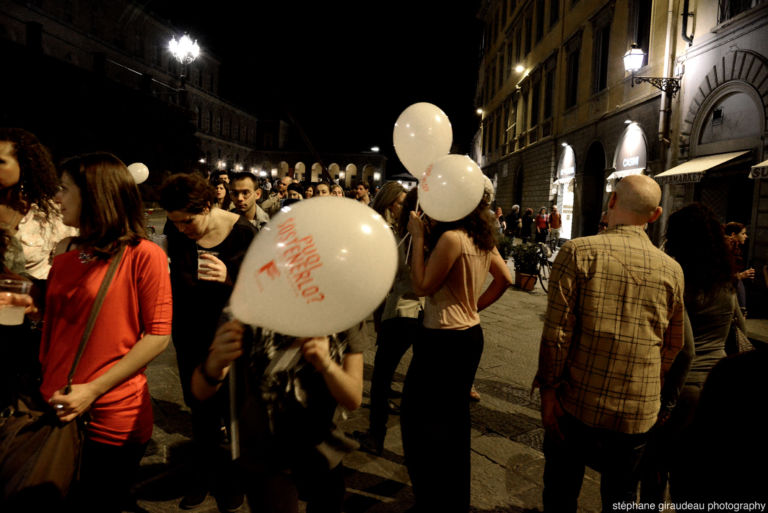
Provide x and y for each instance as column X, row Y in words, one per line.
column 435, row 411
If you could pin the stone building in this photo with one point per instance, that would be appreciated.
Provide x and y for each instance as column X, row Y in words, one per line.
column 90, row 75
column 721, row 119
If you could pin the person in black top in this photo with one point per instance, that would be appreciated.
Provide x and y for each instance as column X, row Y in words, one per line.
column 201, row 288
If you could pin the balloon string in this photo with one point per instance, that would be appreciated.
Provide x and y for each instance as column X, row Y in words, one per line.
column 408, row 251
column 408, row 235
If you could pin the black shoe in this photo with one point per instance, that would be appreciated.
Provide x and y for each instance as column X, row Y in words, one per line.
column 230, row 502
column 372, row 445
column 369, row 443
column 193, row 499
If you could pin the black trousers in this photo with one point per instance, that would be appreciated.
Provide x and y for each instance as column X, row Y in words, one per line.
column 395, row 337
column 107, row 473
column 615, row 455
column 435, row 417
column 271, row 490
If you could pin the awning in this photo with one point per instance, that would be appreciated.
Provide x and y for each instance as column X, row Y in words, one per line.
column 759, row 171
column 694, row 169
column 624, row 172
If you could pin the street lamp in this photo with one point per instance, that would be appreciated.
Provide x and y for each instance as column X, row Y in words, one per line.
column 633, row 61
column 185, row 50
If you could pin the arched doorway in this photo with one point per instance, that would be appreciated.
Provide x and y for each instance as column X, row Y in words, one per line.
column 592, row 189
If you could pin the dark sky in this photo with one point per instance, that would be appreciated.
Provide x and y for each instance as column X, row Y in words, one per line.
column 344, row 70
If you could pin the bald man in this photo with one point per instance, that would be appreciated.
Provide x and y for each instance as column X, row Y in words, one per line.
column 613, row 326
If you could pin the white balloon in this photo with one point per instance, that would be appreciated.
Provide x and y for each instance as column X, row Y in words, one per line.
column 139, row 172
column 318, row 267
column 422, row 134
column 451, row 188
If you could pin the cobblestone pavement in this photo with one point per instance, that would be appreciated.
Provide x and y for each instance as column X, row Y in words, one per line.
column 507, row 463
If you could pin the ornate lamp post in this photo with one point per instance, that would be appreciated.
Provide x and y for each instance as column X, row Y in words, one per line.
column 633, row 61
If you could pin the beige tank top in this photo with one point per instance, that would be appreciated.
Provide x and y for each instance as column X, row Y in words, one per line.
column 454, row 305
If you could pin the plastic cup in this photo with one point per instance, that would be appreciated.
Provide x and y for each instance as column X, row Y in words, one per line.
column 200, row 261
column 11, row 315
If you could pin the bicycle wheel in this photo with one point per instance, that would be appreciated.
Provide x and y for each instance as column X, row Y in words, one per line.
column 545, row 268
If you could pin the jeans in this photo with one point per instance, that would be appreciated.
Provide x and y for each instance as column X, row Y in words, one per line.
column 395, row 337
column 615, row 455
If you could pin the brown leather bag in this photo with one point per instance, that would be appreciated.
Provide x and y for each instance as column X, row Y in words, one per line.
column 40, row 456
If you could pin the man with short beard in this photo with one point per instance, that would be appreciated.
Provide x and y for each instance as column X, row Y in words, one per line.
column 245, row 194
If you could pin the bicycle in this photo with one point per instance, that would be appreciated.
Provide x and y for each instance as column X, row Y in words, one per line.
column 543, row 265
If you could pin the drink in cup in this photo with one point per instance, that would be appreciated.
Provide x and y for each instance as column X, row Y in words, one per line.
column 11, row 315
column 204, row 261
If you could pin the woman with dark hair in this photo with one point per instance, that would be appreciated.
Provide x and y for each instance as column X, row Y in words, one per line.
column 206, row 246
column 695, row 240
column 399, row 319
column 99, row 196
column 435, row 410
column 542, row 225
column 736, row 236
column 526, row 228
column 223, row 201
column 27, row 173
column 28, row 184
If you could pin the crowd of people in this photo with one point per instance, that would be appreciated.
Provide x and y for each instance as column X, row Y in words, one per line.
column 527, row 227
column 633, row 371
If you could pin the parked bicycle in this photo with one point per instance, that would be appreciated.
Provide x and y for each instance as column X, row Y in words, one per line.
column 543, row 265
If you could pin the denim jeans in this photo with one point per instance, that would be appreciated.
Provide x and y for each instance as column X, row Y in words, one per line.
column 615, row 455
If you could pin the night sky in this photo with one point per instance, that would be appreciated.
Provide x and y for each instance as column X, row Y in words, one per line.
column 343, row 70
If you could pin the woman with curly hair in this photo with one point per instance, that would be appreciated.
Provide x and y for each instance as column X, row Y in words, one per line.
column 435, row 410
column 28, row 184
column 695, row 240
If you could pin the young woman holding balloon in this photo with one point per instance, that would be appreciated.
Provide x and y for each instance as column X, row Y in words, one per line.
column 435, row 410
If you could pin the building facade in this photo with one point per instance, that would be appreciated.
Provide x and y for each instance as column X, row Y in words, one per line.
column 721, row 118
column 89, row 75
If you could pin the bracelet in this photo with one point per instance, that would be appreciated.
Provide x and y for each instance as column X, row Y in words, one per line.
column 208, row 379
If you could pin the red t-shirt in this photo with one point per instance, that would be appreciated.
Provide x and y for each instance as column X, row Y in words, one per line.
column 541, row 221
column 138, row 301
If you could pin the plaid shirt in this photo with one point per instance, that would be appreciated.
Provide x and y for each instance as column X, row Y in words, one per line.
column 614, row 324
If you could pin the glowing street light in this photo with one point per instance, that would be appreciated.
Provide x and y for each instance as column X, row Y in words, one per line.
column 185, row 50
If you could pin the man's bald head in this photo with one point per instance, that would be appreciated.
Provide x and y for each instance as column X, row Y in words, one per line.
column 636, row 200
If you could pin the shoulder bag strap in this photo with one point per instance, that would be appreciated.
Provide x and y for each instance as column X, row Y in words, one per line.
column 94, row 313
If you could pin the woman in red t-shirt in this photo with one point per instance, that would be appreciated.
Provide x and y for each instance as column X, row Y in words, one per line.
column 542, row 225
column 99, row 196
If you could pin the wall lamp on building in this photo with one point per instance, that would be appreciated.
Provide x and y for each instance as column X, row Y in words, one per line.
column 238, row 167
column 633, row 61
column 375, row 149
column 221, row 164
column 202, row 161
column 376, row 176
column 519, row 68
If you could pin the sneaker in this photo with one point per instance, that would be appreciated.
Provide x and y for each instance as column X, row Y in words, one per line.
column 193, row 499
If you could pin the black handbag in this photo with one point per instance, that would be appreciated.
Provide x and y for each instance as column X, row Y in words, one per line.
column 40, row 456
